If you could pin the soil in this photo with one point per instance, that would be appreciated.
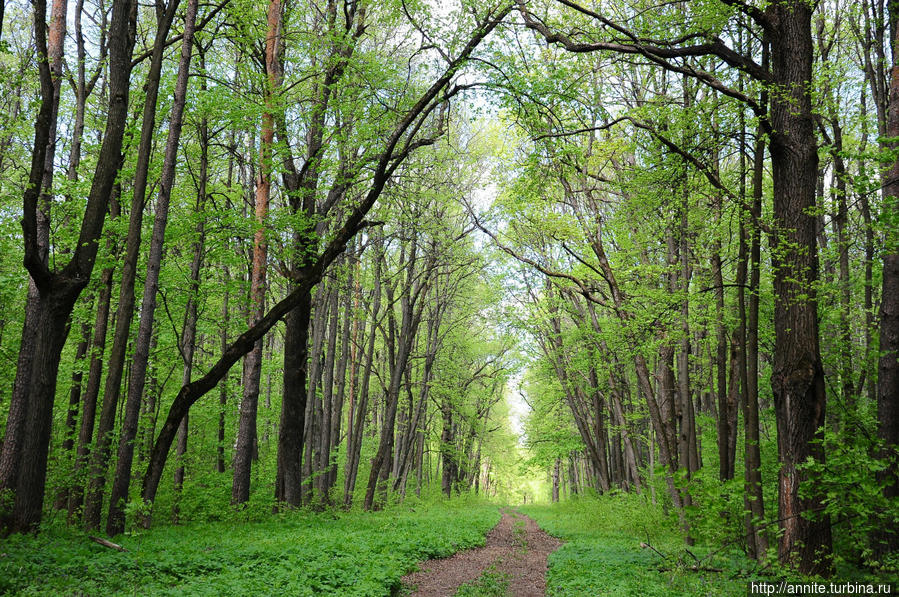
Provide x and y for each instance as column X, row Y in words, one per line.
column 516, row 548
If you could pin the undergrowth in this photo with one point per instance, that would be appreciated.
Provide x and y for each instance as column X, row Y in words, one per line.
column 622, row 545
column 303, row 553
column 491, row 583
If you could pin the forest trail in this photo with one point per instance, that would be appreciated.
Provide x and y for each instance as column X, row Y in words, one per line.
column 516, row 551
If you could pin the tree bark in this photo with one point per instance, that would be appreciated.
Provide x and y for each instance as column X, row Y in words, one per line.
column 354, row 441
column 95, row 373
column 50, row 49
column 246, row 434
column 888, row 367
column 60, row 289
column 119, row 495
column 411, row 307
column 189, row 329
column 797, row 377
column 752, row 480
column 125, row 310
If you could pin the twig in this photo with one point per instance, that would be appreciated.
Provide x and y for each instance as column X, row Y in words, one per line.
column 645, row 545
column 106, row 543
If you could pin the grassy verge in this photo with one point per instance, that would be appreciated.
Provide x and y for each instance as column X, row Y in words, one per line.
column 602, row 554
column 300, row 554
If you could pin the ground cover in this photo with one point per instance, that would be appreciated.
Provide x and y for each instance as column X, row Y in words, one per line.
column 602, row 552
column 356, row 553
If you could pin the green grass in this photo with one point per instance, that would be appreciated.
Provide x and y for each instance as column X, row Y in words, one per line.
column 602, row 553
column 490, row 584
column 299, row 554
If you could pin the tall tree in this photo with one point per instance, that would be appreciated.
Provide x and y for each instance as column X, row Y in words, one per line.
column 798, row 375
column 403, row 138
column 119, row 494
column 888, row 367
column 60, row 288
column 246, row 435
column 93, row 507
column 51, row 51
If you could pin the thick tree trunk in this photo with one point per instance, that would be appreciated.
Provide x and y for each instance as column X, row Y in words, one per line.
column 888, row 366
column 293, row 409
column 797, row 377
column 51, row 44
column 59, row 290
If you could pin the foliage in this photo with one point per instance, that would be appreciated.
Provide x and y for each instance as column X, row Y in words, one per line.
column 490, row 584
column 300, row 553
column 852, row 481
column 602, row 553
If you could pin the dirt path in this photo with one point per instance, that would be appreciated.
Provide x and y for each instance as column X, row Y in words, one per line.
column 516, row 548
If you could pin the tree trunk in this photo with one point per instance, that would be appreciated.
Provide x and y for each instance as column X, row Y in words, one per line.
column 328, row 410
column 293, row 409
column 223, row 383
column 797, row 377
column 119, row 495
column 189, row 329
column 556, row 474
column 354, row 441
column 246, row 434
column 125, row 310
column 59, row 290
column 888, row 366
column 341, row 375
column 754, row 504
column 95, row 373
column 50, row 48
column 68, row 442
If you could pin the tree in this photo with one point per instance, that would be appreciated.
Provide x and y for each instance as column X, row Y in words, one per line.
column 59, row 288
column 246, row 435
column 888, row 367
column 119, row 494
column 798, row 375
column 402, row 140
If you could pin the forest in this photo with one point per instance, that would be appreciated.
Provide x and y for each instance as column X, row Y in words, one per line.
column 295, row 294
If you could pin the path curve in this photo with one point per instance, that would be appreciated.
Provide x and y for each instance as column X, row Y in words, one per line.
column 516, row 547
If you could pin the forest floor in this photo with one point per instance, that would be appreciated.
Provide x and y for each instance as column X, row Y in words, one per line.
column 302, row 553
column 512, row 562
